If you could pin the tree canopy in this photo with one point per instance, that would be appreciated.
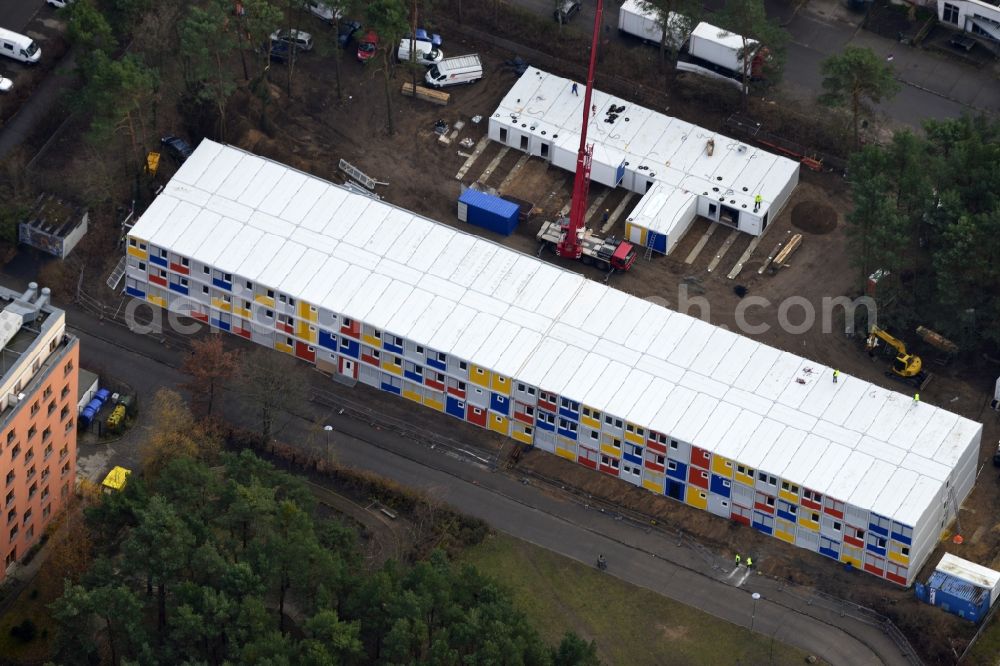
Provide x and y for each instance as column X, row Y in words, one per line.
column 856, row 78
column 927, row 211
column 229, row 565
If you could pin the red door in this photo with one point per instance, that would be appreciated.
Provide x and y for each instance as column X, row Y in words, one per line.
column 347, row 367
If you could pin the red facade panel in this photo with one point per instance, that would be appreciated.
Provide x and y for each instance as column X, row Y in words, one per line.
column 698, row 477
column 476, row 415
column 306, row 353
column 700, row 457
column 177, row 268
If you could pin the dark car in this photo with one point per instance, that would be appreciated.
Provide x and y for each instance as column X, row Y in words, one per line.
column 566, row 10
column 346, row 31
column 176, row 147
column 279, row 52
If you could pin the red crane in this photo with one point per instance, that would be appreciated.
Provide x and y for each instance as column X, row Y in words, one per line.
column 571, row 246
column 570, row 237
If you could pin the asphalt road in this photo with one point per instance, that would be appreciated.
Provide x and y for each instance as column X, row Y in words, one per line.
column 650, row 559
column 15, row 14
column 934, row 87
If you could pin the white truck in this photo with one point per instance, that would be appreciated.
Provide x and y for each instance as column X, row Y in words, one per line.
column 716, row 52
column 636, row 20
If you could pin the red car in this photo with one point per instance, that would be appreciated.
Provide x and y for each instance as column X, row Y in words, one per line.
column 367, row 46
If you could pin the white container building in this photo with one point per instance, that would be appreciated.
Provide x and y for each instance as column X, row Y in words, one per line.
column 639, row 149
column 371, row 293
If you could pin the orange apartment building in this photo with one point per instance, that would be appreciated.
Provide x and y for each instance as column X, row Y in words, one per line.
column 39, row 363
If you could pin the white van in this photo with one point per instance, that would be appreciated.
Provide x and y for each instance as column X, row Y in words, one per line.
column 427, row 52
column 452, row 71
column 19, row 47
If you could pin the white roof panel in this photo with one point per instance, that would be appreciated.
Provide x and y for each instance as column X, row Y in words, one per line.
column 557, row 331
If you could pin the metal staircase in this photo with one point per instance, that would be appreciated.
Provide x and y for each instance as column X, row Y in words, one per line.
column 357, row 174
column 116, row 275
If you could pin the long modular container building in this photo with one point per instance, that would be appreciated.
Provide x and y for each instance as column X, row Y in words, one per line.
column 646, row 152
column 375, row 294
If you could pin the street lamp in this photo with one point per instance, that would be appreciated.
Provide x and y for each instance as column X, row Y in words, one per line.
column 328, row 429
column 753, row 615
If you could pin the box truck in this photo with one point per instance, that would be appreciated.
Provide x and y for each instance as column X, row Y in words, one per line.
column 713, row 51
column 634, row 19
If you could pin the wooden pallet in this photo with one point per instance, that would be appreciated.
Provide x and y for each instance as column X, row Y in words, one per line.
column 427, row 94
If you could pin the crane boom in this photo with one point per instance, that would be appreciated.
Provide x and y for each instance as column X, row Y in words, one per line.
column 571, row 245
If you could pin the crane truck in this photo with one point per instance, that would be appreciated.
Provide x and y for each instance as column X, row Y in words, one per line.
column 906, row 367
column 569, row 237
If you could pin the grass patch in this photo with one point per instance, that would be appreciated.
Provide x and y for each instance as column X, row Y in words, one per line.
column 631, row 625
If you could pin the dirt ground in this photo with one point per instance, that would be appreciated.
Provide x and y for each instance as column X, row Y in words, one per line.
column 312, row 131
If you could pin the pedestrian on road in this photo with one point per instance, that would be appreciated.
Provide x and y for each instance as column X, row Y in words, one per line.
column 737, row 559
column 575, row 90
column 604, row 218
column 836, row 375
column 756, row 203
column 749, row 562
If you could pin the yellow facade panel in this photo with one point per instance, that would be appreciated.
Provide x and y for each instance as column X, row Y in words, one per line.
column 479, row 376
column 566, row 453
column 136, row 252
column 500, row 384
column 722, row 466
column 264, row 300
column 696, row 497
column 899, row 558
column 412, row 395
column 499, row 424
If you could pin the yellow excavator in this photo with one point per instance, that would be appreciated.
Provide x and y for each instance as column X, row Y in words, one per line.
column 906, row 367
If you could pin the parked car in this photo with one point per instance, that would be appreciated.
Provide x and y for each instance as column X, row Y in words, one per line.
column 346, row 31
column 279, row 52
column 302, row 41
column 367, row 46
column 322, row 11
column 59, row 4
column 427, row 53
column 176, row 147
column 5, row 84
column 566, row 10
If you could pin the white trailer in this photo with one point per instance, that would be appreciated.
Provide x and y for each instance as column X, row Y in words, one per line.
column 719, row 47
column 638, row 20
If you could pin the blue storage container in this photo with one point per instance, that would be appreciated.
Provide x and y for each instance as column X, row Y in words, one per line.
column 483, row 210
column 102, row 395
column 961, row 587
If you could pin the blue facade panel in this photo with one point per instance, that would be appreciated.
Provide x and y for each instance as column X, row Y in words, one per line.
column 829, row 552
column 455, row 407
column 436, row 364
column 873, row 548
column 901, row 538
column 500, row 404
column 763, row 522
column 877, row 529
column 489, row 212
column 389, row 388
column 543, row 425
column 675, row 489
column 413, row 377
column 219, row 324
column 721, row 485
column 180, row 289
column 222, row 284
column 679, row 473
column 567, row 413
column 159, row 261
column 350, row 347
column 327, row 340
column 628, row 457
column 132, row 291
column 567, row 433
column 389, row 347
